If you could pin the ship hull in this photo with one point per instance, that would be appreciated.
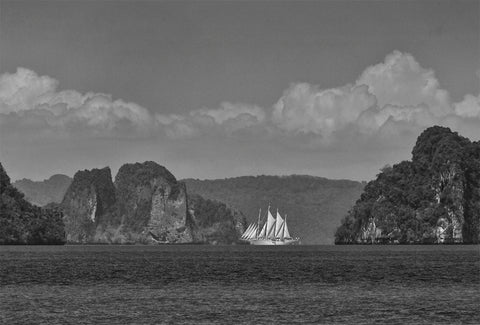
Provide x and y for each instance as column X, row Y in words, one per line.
column 262, row 242
column 272, row 242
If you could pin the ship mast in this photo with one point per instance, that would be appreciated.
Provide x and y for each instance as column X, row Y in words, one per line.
column 270, row 225
column 284, row 225
column 259, row 213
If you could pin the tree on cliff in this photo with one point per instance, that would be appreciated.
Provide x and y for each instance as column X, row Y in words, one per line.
column 213, row 222
column 24, row 223
column 435, row 198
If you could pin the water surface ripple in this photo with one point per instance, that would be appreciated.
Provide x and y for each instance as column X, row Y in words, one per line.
column 239, row 285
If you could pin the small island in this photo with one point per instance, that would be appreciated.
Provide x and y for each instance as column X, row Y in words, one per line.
column 432, row 199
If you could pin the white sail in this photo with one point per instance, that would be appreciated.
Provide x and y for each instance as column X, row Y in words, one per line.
column 278, row 225
column 263, row 232
column 280, row 235
column 258, row 223
column 253, row 233
column 250, row 232
column 273, row 232
column 270, row 226
column 247, row 231
column 286, row 234
column 243, row 235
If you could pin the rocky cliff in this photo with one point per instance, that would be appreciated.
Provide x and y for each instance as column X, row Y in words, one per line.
column 145, row 204
column 24, row 223
column 151, row 203
column 434, row 198
column 41, row 193
column 90, row 195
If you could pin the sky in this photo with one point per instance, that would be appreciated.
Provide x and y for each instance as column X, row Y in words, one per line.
column 217, row 89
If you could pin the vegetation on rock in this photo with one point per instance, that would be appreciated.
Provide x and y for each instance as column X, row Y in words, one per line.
column 434, row 198
column 136, row 185
column 24, row 223
column 213, row 222
column 146, row 204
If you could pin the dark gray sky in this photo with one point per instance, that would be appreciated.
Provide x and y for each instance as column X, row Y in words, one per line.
column 225, row 88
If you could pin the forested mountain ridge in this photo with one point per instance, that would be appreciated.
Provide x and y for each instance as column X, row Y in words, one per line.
column 24, row 223
column 43, row 192
column 314, row 205
column 434, row 198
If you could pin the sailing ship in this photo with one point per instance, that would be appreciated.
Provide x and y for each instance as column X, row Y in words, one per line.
column 274, row 231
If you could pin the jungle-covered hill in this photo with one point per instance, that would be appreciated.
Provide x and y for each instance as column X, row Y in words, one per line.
column 434, row 198
column 44, row 192
column 314, row 205
column 24, row 223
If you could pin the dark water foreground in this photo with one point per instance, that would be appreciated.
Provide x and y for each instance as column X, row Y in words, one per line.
column 240, row 284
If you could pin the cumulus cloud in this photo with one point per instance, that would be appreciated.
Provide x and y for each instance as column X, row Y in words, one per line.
column 306, row 108
column 32, row 101
column 401, row 81
column 227, row 119
column 27, row 99
column 230, row 111
column 469, row 107
column 375, row 118
column 397, row 96
column 24, row 90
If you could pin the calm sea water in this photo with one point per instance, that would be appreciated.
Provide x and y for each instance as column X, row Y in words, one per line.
column 240, row 284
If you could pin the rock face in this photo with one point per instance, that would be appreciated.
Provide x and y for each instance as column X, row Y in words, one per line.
column 90, row 195
column 145, row 204
column 51, row 190
column 435, row 198
column 151, row 202
column 24, row 223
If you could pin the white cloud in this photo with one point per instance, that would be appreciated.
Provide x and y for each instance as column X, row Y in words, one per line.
column 337, row 132
column 176, row 126
column 401, row 81
column 227, row 119
column 469, row 107
column 372, row 120
column 23, row 90
column 306, row 108
column 230, row 111
column 397, row 96
column 31, row 100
